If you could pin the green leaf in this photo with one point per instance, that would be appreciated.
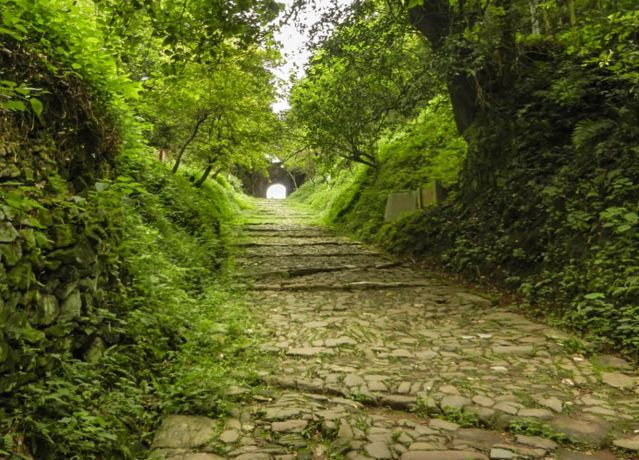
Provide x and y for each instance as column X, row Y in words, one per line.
column 16, row 106
column 30, row 334
column 594, row 296
column 8, row 18
column 102, row 186
column 11, row 33
column 37, row 107
column 623, row 228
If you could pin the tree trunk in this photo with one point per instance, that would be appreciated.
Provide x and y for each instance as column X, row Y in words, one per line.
column 572, row 13
column 547, row 24
column 434, row 20
column 292, row 179
column 217, row 172
column 358, row 158
column 204, row 176
column 463, row 97
column 535, row 28
column 201, row 119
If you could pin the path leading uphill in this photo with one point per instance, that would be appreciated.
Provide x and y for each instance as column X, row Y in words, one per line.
column 371, row 358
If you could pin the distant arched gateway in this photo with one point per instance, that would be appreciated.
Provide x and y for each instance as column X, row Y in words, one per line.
column 256, row 184
column 276, row 192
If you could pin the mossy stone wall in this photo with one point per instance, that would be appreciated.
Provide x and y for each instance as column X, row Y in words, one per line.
column 59, row 275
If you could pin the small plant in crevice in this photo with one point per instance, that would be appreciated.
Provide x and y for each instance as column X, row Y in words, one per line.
column 461, row 417
column 363, row 398
column 574, row 345
column 425, row 408
column 534, row 427
column 360, row 423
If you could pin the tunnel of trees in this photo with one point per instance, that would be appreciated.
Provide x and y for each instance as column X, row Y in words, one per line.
column 526, row 110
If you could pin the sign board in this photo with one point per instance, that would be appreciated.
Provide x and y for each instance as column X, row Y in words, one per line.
column 432, row 194
column 401, row 203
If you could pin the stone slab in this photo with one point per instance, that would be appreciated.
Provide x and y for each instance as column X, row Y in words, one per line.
column 184, row 431
column 399, row 204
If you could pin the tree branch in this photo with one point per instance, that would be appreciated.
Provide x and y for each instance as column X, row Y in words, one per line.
column 201, row 119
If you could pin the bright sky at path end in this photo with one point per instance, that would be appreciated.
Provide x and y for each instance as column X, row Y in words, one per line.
column 294, row 49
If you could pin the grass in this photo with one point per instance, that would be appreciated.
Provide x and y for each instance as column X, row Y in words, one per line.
column 533, row 427
column 461, row 417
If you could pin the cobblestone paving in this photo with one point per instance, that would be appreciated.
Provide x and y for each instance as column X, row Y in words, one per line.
column 374, row 359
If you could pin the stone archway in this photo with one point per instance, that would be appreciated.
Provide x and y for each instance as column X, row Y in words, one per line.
column 257, row 184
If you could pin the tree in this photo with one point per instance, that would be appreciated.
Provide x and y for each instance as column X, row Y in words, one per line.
column 479, row 45
column 201, row 63
column 217, row 115
column 184, row 30
column 367, row 77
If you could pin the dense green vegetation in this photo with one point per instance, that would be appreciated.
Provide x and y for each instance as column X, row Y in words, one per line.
column 115, row 307
column 149, row 338
column 423, row 149
column 114, row 304
column 545, row 203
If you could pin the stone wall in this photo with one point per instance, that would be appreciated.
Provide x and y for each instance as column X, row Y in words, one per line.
column 59, row 275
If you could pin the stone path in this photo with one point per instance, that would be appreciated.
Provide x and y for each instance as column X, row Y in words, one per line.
column 370, row 358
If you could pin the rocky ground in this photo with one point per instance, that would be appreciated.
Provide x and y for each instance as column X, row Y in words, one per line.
column 372, row 358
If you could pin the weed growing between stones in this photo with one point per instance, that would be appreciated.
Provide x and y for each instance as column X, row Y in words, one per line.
column 461, row 417
column 427, row 409
column 424, row 407
column 574, row 345
column 360, row 423
column 533, row 427
column 363, row 398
